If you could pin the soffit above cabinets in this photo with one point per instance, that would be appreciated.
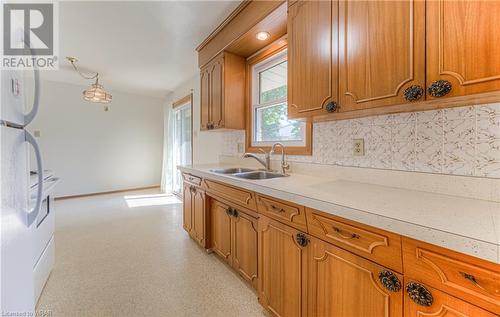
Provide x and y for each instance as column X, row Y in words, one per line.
column 236, row 34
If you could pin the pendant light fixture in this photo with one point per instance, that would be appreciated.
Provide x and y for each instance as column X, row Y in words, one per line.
column 95, row 93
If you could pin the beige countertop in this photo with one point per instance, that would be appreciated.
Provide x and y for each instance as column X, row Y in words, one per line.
column 466, row 225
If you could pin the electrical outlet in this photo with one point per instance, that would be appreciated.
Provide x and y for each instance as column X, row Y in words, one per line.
column 240, row 147
column 359, row 147
column 36, row 133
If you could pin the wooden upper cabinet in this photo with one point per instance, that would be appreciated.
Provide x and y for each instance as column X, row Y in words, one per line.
column 223, row 93
column 343, row 284
column 281, row 261
column 205, row 97
column 312, row 57
column 463, row 46
column 381, row 52
column 217, row 92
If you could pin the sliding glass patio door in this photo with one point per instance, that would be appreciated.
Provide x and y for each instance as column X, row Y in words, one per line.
column 183, row 142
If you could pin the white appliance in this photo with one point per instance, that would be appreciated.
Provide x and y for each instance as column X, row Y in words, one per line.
column 20, row 249
column 43, row 229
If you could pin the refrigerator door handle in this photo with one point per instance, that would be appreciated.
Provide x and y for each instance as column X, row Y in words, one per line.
column 32, row 214
column 36, row 100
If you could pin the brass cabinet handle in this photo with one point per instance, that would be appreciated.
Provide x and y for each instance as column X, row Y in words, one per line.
column 277, row 208
column 413, row 93
column 351, row 236
column 390, row 281
column 471, row 278
column 419, row 294
column 331, row 106
column 439, row 88
column 232, row 212
column 302, row 239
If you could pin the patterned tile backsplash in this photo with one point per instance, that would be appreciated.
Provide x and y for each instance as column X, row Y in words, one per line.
column 457, row 141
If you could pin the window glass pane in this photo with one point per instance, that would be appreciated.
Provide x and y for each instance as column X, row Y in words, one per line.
column 273, row 83
column 272, row 125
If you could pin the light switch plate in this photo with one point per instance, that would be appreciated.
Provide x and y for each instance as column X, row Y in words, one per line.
column 359, row 147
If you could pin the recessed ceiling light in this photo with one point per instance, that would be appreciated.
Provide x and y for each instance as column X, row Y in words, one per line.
column 262, row 36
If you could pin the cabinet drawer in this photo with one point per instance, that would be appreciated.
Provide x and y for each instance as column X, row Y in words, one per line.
column 441, row 305
column 374, row 244
column 195, row 180
column 239, row 196
column 463, row 276
column 288, row 213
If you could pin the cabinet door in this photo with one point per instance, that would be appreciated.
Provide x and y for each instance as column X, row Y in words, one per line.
column 187, row 206
column 220, row 222
column 245, row 246
column 342, row 284
column 199, row 216
column 312, row 57
column 205, row 98
column 217, row 92
column 381, row 52
column 463, row 45
column 442, row 305
column 281, row 261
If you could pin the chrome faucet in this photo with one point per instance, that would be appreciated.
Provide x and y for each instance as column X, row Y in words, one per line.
column 284, row 165
column 266, row 162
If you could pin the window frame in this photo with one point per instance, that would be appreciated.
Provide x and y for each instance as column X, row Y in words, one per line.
column 257, row 69
column 268, row 56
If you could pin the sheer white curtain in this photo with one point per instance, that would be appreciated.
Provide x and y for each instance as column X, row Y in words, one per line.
column 168, row 168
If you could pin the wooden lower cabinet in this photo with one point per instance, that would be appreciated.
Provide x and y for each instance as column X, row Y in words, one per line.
column 442, row 305
column 318, row 275
column 198, row 230
column 187, row 219
column 194, row 221
column 234, row 239
column 342, row 284
column 244, row 236
column 220, row 230
column 281, row 261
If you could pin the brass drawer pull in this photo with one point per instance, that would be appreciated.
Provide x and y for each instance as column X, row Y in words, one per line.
column 419, row 294
column 413, row 93
column 390, row 281
column 302, row 239
column 351, row 236
column 273, row 207
column 471, row 278
column 439, row 88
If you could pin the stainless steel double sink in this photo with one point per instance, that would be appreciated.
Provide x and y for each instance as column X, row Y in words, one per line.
column 247, row 173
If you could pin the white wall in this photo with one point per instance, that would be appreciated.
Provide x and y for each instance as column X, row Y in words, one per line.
column 94, row 151
column 207, row 145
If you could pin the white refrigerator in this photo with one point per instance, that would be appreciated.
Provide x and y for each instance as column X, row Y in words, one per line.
column 18, row 215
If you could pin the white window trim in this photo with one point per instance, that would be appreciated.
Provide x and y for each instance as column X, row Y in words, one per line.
column 256, row 69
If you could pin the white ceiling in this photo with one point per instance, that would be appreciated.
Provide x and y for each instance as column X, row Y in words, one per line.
column 143, row 47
